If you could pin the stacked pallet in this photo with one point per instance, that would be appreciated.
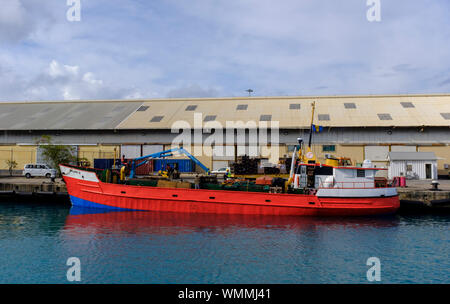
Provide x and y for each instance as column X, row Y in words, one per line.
column 173, row 184
column 245, row 165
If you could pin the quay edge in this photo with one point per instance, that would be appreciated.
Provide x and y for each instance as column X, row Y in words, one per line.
column 36, row 190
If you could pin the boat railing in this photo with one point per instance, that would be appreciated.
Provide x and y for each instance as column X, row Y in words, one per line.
column 348, row 185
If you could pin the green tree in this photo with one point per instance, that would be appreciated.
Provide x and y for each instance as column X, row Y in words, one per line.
column 12, row 164
column 55, row 155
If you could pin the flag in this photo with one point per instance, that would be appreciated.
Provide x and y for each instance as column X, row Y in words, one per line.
column 317, row 129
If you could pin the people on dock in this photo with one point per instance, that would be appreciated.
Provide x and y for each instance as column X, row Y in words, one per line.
column 197, row 181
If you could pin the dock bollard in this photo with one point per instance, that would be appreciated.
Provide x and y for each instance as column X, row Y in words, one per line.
column 435, row 185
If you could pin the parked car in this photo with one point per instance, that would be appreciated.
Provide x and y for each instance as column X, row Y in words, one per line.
column 223, row 170
column 32, row 170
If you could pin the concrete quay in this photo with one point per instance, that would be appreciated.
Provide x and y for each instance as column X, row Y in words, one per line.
column 33, row 190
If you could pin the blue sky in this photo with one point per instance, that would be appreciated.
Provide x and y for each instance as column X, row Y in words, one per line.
column 210, row 48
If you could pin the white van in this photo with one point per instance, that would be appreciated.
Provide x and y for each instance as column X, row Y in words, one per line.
column 31, row 170
column 221, row 170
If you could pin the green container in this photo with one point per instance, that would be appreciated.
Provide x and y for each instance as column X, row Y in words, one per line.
column 139, row 182
column 211, row 186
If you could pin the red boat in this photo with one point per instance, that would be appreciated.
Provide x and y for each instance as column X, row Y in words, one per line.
column 334, row 197
column 313, row 189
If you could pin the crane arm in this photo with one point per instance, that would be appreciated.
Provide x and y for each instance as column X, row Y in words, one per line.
column 163, row 154
column 195, row 160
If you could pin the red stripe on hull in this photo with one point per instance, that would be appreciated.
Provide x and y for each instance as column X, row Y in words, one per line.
column 224, row 202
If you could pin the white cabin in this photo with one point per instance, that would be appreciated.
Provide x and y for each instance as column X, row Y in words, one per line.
column 413, row 165
column 323, row 176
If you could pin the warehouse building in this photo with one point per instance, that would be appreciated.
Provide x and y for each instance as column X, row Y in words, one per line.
column 357, row 127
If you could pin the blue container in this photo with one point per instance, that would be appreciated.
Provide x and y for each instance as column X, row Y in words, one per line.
column 103, row 163
column 184, row 165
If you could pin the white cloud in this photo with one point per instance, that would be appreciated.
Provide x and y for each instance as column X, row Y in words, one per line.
column 68, row 81
column 13, row 20
column 89, row 78
column 56, row 70
column 19, row 19
column 60, row 81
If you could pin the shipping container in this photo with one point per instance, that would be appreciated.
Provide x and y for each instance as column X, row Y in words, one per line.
column 145, row 169
column 184, row 165
column 103, row 163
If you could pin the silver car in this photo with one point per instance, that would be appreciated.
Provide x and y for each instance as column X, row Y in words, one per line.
column 32, row 170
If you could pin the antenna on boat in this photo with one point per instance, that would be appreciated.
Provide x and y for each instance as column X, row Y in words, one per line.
column 308, row 156
column 300, row 148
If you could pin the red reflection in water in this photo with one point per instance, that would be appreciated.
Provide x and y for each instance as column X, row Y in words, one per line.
column 87, row 221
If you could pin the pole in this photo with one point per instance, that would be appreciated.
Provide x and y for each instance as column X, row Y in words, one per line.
column 312, row 121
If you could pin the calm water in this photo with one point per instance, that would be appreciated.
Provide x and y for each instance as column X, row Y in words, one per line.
column 145, row 247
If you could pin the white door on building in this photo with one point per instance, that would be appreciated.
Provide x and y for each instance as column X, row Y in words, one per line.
column 376, row 153
column 217, row 164
column 131, row 151
column 223, row 153
column 150, row 149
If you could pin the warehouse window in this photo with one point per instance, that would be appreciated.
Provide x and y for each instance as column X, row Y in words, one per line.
column 242, row 107
column 446, row 116
column 265, row 118
column 324, row 117
column 191, row 108
column 384, row 116
column 294, row 106
column 143, row 108
column 157, row 118
column 350, row 105
column 407, row 104
column 210, row 118
column 328, row 148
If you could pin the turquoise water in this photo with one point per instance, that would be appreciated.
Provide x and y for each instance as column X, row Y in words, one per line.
column 145, row 247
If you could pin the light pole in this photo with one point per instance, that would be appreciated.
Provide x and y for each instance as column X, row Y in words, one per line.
column 250, row 91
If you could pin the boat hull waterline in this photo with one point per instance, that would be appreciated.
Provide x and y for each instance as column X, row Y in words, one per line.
column 86, row 190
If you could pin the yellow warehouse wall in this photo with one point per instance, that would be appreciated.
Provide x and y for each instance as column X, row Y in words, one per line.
column 355, row 153
column 284, row 151
column 27, row 154
column 93, row 152
column 21, row 154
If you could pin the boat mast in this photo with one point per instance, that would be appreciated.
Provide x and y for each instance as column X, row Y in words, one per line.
column 312, row 121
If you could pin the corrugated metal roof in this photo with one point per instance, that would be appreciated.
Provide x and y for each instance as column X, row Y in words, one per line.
column 427, row 110
column 412, row 156
column 64, row 115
